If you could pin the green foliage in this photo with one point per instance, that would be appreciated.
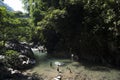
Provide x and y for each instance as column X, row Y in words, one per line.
column 50, row 19
column 14, row 26
column 11, row 53
column 84, row 27
column 12, row 59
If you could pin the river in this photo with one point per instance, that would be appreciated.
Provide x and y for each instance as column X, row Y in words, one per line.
column 78, row 71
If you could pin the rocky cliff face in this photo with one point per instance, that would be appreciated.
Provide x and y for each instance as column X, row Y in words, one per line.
column 5, row 5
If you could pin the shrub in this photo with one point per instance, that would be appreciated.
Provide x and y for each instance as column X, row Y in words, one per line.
column 12, row 59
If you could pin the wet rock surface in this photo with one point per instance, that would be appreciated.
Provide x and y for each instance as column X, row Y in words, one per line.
column 21, row 47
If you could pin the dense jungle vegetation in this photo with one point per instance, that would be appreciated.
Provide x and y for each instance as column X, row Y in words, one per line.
column 87, row 28
column 90, row 29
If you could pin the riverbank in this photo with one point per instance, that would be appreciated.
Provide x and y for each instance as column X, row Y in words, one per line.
column 78, row 72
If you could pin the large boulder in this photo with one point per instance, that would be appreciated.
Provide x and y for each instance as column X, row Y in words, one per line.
column 22, row 47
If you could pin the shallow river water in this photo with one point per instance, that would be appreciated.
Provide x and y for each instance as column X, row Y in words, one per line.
column 78, row 71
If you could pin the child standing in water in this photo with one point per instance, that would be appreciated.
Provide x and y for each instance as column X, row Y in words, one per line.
column 72, row 55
